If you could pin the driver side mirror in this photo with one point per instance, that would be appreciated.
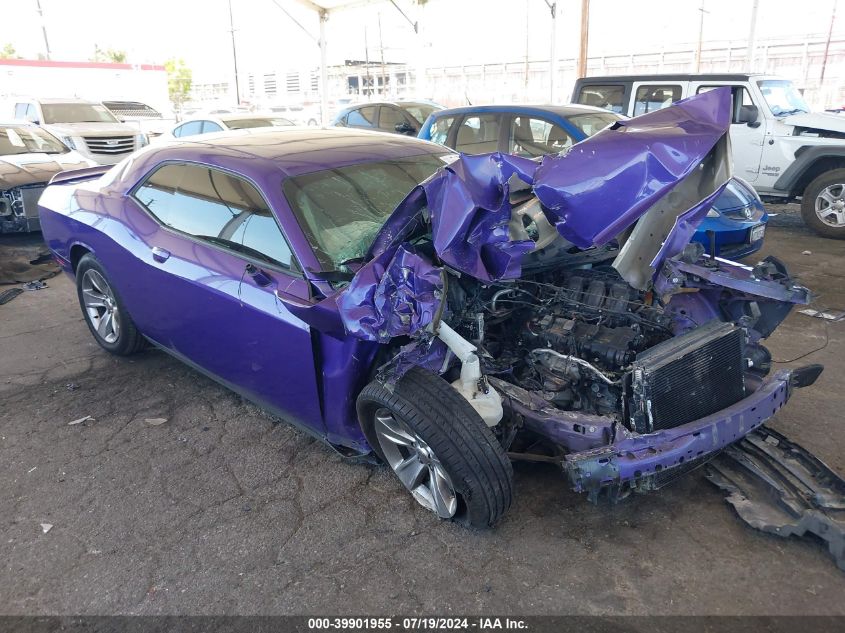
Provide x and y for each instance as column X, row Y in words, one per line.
column 405, row 128
column 748, row 114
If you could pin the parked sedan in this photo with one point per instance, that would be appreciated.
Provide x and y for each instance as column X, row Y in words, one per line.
column 449, row 326
column 29, row 157
column 220, row 122
column 398, row 117
column 734, row 227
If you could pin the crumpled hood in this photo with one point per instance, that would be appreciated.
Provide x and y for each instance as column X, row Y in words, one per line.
column 660, row 172
column 817, row 120
column 27, row 169
column 671, row 163
column 93, row 129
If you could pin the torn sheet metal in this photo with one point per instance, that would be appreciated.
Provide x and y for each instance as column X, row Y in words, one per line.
column 471, row 214
column 602, row 185
column 779, row 487
column 396, row 294
column 675, row 159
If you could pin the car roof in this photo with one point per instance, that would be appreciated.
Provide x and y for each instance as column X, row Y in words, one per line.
column 239, row 116
column 298, row 151
column 559, row 110
column 671, row 77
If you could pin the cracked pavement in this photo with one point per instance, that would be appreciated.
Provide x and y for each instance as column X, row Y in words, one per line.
column 226, row 510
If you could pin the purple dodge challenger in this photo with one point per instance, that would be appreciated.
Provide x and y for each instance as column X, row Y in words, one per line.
column 446, row 314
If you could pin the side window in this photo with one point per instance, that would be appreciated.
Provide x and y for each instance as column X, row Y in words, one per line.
column 479, row 134
column 362, row 117
column 741, row 97
column 531, row 137
column 389, row 118
column 439, row 129
column 651, row 98
column 191, row 127
column 608, row 97
column 20, row 110
column 217, row 207
column 210, row 126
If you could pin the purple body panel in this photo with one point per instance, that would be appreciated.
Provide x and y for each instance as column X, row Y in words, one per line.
column 591, row 193
column 395, row 294
column 598, row 188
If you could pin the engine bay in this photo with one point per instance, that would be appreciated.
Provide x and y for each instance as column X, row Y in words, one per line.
column 570, row 336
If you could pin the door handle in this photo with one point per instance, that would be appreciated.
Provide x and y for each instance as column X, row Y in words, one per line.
column 160, row 255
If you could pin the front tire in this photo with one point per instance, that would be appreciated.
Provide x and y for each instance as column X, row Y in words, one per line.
column 104, row 311
column 823, row 204
column 439, row 447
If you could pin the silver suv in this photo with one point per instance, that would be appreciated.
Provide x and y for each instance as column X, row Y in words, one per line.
column 86, row 126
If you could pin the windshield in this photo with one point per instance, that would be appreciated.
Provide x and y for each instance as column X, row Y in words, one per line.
column 782, row 97
column 76, row 113
column 593, row 122
column 26, row 140
column 242, row 124
column 419, row 111
column 341, row 210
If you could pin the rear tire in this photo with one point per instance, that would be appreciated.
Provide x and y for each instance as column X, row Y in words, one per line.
column 104, row 311
column 438, row 428
column 823, row 204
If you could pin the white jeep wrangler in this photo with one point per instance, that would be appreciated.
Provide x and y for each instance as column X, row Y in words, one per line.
column 779, row 146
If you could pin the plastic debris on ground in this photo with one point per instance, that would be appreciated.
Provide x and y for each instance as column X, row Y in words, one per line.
column 86, row 418
column 46, row 527
column 779, row 487
column 155, row 421
column 827, row 315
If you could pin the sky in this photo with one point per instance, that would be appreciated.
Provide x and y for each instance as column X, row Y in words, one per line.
column 454, row 32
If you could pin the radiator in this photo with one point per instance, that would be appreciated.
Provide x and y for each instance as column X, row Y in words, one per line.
column 686, row 378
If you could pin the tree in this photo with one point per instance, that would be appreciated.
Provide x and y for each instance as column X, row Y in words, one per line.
column 179, row 80
column 8, row 52
column 109, row 55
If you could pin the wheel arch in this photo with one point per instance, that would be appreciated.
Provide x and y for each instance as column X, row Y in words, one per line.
column 809, row 164
column 77, row 252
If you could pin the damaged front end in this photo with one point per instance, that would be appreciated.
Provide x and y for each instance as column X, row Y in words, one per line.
column 565, row 301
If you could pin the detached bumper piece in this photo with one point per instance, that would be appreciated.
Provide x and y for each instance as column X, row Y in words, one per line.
column 777, row 486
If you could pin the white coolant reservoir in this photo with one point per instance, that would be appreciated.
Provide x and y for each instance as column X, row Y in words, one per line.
column 472, row 385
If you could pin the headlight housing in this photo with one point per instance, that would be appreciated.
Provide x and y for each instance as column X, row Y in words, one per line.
column 67, row 140
column 141, row 140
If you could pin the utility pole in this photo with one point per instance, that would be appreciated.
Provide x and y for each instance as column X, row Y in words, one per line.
column 752, row 32
column 527, row 41
column 552, row 53
column 234, row 54
column 585, row 38
column 700, row 38
column 381, row 49
column 369, row 84
column 827, row 44
column 43, row 27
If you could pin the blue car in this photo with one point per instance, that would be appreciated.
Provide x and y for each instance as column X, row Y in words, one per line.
column 734, row 227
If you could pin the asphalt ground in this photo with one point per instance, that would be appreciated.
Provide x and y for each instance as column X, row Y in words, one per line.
column 224, row 509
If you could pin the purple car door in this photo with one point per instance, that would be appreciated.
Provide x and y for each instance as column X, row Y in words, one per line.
column 208, row 289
